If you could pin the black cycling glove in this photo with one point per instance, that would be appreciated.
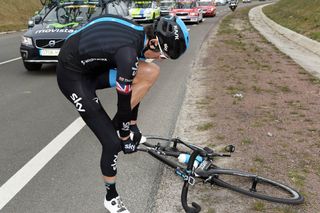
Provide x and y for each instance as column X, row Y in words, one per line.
column 130, row 145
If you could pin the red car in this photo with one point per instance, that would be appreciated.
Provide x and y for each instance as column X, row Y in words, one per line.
column 208, row 8
column 188, row 11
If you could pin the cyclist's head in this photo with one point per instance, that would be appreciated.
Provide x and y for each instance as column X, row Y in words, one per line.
column 173, row 36
column 168, row 37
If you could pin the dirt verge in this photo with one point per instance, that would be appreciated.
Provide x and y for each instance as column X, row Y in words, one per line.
column 243, row 91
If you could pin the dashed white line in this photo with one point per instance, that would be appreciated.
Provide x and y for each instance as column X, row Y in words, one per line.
column 11, row 60
column 10, row 188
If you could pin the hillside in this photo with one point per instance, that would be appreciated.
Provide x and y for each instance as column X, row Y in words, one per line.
column 14, row 14
column 300, row 16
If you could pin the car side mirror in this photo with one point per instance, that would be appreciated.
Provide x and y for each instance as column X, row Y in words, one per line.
column 37, row 19
column 30, row 23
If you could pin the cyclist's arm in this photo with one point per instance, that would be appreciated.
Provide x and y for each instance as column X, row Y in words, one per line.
column 127, row 65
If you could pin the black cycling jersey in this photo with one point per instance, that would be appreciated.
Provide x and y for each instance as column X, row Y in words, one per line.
column 104, row 53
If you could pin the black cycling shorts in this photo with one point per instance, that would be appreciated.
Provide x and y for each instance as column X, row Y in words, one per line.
column 80, row 90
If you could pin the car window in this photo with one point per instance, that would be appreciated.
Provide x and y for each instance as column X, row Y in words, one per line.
column 184, row 5
column 142, row 4
column 72, row 13
column 205, row 3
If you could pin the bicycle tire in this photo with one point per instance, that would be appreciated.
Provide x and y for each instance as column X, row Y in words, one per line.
column 222, row 178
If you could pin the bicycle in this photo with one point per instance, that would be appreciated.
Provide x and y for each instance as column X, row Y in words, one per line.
column 198, row 165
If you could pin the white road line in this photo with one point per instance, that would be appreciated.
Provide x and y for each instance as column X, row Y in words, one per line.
column 11, row 60
column 10, row 188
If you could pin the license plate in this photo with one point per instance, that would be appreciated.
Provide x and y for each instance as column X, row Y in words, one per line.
column 49, row 52
column 194, row 19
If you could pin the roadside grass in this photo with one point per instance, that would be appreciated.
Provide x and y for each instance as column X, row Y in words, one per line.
column 300, row 16
column 259, row 206
column 15, row 14
column 246, row 141
column 297, row 177
column 205, row 126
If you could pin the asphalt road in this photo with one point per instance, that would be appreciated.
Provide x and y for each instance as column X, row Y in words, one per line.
column 33, row 112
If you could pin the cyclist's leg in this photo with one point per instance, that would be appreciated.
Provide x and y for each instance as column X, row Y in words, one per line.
column 81, row 92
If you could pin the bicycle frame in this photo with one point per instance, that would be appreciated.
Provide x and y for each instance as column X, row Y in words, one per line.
column 188, row 174
column 212, row 174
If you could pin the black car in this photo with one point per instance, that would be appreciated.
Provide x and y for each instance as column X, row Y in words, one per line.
column 41, row 43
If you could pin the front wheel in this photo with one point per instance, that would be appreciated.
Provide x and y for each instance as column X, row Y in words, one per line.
column 32, row 66
column 255, row 186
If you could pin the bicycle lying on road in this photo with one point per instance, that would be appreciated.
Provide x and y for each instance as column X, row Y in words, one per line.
column 194, row 163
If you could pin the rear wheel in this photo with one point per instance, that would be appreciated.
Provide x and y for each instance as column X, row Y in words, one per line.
column 32, row 66
column 255, row 186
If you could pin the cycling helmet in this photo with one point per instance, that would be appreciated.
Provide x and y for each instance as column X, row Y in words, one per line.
column 173, row 36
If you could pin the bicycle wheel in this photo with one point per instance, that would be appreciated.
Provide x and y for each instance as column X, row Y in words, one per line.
column 255, row 186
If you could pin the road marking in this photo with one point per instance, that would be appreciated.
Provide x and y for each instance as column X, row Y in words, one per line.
column 10, row 188
column 11, row 60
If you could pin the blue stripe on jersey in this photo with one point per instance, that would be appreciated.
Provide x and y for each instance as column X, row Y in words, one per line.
column 112, row 77
column 108, row 19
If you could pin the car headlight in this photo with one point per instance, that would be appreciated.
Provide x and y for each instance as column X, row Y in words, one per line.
column 194, row 14
column 26, row 41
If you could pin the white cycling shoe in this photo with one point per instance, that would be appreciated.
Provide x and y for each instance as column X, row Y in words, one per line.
column 115, row 205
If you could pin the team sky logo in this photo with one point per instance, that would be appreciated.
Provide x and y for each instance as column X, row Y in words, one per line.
column 114, row 165
column 125, row 126
column 123, row 88
column 130, row 147
column 76, row 100
column 135, row 67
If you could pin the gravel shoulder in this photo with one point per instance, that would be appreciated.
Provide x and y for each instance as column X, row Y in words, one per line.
column 244, row 91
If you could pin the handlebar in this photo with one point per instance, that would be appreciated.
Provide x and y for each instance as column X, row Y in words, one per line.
column 184, row 195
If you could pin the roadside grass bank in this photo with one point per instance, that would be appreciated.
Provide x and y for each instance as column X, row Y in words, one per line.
column 14, row 14
column 244, row 91
column 300, row 16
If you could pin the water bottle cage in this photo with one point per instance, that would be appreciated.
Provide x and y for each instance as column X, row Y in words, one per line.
column 186, row 176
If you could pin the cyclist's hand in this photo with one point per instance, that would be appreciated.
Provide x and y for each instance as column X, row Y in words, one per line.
column 130, row 145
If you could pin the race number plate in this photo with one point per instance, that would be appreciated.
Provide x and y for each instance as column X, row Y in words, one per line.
column 49, row 52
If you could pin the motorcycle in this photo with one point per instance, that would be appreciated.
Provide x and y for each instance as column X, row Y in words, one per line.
column 233, row 5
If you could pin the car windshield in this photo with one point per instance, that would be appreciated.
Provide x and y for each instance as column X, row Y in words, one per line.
column 142, row 5
column 205, row 3
column 72, row 13
column 184, row 5
column 166, row 4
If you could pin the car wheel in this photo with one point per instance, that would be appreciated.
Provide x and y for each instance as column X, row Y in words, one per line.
column 32, row 66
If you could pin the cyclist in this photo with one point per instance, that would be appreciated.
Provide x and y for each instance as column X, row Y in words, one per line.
column 106, row 53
